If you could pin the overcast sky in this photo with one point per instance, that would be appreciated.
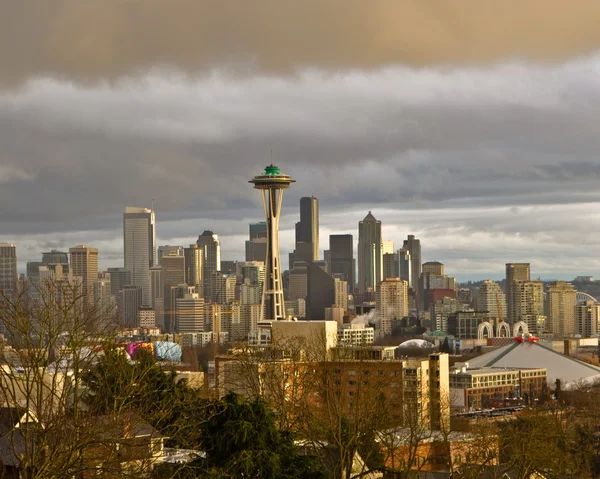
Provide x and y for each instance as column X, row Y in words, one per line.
column 476, row 129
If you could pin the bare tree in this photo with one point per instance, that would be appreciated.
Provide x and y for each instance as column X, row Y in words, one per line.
column 51, row 339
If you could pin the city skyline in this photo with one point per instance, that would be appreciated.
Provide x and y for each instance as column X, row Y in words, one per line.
column 114, row 259
column 234, row 249
column 423, row 300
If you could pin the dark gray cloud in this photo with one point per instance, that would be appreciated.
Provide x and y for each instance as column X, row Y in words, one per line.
column 486, row 164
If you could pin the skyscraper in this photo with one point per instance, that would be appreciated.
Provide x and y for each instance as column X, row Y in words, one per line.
column 101, row 293
column 131, row 302
column 252, row 272
column 272, row 183
column 413, row 246
column 8, row 268
column 433, row 267
column 370, row 271
column 298, row 281
column 253, row 278
column 211, row 246
column 34, row 285
column 491, row 298
column 84, row 263
column 55, row 257
column 168, row 250
column 528, row 299
column 341, row 294
column 391, row 302
column 228, row 266
column 119, row 277
column 222, row 287
column 139, row 242
column 387, row 247
column 587, row 318
column 157, row 291
column 307, row 230
column 560, row 308
column 189, row 313
column 432, row 287
column 173, row 274
column 405, row 266
column 194, row 266
column 341, row 258
column 514, row 272
column 390, row 266
column 307, row 233
column 256, row 246
column 258, row 230
column 320, row 292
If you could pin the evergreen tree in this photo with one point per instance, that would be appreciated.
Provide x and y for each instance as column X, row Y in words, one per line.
column 241, row 439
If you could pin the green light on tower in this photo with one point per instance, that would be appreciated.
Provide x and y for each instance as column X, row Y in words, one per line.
column 272, row 170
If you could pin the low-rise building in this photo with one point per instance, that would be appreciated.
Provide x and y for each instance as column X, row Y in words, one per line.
column 146, row 318
column 358, row 334
column 465, row 324
column 189, row 340
column 367, row 352
column 427, row 452
column 481, row 388
column 417, row 389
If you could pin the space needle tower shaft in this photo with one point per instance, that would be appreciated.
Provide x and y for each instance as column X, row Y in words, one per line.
column 271, row 184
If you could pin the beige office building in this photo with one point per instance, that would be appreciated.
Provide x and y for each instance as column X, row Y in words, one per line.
column 528, row 303
column 146, row 318
column 433, row 267
column 560, row 308
column 391, row 301
column 84, row 263
column 387, row 247
column 515, row 272
column 189, row 313
column 8, row 268
column 341, row 293
column 492, row 299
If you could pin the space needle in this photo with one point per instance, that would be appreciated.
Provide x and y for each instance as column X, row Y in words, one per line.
column 272, row 183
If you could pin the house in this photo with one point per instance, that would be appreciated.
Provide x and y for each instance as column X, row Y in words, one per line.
column 121, row 444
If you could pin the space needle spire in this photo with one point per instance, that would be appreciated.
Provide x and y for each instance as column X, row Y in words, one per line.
column 271, row 184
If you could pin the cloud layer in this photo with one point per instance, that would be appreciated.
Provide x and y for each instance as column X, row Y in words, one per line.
column 116, row 38
column 487, row 164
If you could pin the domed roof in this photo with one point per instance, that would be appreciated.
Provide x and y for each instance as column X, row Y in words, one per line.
column 416, row 343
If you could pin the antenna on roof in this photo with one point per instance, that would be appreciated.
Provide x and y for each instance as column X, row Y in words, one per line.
column 152, row 205
column 271, row 156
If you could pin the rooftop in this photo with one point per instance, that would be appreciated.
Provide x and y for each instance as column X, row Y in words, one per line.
column 491, row 370
column 535, row 355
